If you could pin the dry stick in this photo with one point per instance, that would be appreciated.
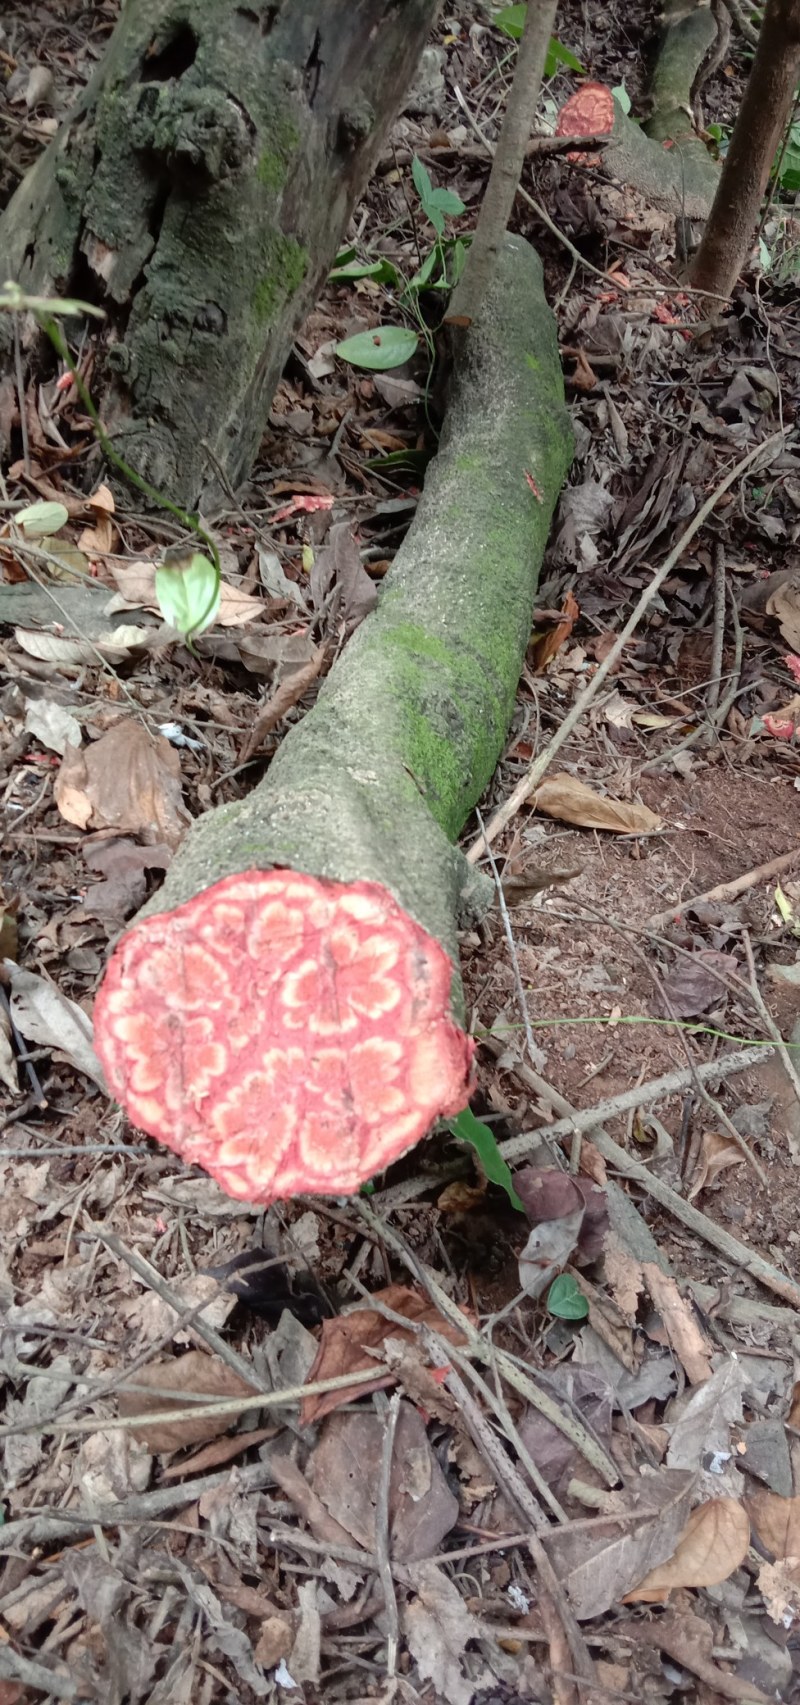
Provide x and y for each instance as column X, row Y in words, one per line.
column 767, row 1019
column 509, row 157
column 54, row 1684
column 530, row 782
column 718, row 640
column 153, row 1279
column 482, row 1351
column 736, row 1252
column 717, row 719
column 48, row 1526
column 586, row 1118
column 382, row 1537
column 518, row 1494
column 725, row 891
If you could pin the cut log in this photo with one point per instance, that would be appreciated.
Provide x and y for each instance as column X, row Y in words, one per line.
column 665, row 160
column 287, row 1012
column 198, row 193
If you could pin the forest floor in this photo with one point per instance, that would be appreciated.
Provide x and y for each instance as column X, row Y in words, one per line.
column 377, row 1549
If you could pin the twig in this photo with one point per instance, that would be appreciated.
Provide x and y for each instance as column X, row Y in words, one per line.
column 540, row 765
column 509, row 156
column 153, row 1279
column 49, row 1527
column 37, row 1094
column 587, row 1119
column 230, row 1406
column 482, row 1351
column 705, row 730
column 55, row 1684
column 533, row 1052
column 767, row 1019
column 734, row 1251
column 718, row 638
column 518, row 1494
column 382, row 1536
column 725, row 891
column 740, row 14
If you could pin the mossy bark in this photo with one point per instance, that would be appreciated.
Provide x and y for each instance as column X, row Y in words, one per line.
column 198, row 193
column 377, row 780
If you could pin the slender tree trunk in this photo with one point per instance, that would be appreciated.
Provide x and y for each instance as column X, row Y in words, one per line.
column 198, row 193
column 508, row 161
column 763, row 116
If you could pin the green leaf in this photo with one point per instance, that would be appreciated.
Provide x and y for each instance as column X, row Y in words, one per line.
column 622, row 97
column 379, row 349
column 447, row 202
column 381, row 270
column 484, row 1142
column 511, row 21
column 400, row 461
column 421, row 278
column 39, row 520
column 422, row 179
column 557, row 54
column 566, row 1300
column 188, row 594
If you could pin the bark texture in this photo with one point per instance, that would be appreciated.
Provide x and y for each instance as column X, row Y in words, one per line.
column 376, row 782
column 757, row 133
column 198, row 193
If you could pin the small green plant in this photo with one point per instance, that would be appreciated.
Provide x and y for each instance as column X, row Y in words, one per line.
column 566, row 1300
column 511, row 20
column 440, row 269
column 188, row 593
column 484, row 1142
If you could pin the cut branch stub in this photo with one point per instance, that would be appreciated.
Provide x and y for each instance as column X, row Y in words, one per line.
column 288, row 1034
column 589, row 112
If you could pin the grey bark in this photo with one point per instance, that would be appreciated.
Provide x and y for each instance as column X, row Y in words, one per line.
column 198, row 193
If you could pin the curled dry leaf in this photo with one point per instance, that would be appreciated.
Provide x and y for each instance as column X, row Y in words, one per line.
column 547, row 1193
column 695, row 984
column 716, row 1153
column 571, row 801
column 129, row 780
column 195, row 1373
column 597, row 1566
column 44, row 1016
column 776, row 1522
column 346, row 1340
column 784, row 604
column 713, row 1544
column 345, row 1469
column 546, row 645
column 136, row 584
column 683, row 1333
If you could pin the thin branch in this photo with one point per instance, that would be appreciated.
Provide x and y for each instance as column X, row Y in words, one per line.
column 540, row 765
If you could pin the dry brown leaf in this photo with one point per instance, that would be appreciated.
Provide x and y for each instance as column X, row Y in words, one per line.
column 44, row 1016
column 437, row 1626
column 690, row 1641
column 547, row 645
column 713, row 1544
column 136, row 584
column 99, row 539
column 286, row 694
column 220, row 1450
column 345, row 1468
column 777, row 1523
column 129, row 780
column 716, row 1152
column 784, row 605
column 705, row 1424
column 780, row 1584
column 599, row 1564
column 346, row 1340
column 195, row 1373
column 793, row 1417
column 684, row 1336
column 571, row 801
column 102, row 500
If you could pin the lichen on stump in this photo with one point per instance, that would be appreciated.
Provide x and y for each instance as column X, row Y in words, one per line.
column 305, row 1056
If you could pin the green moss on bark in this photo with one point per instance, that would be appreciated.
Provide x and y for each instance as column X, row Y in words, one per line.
column 377, row 780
